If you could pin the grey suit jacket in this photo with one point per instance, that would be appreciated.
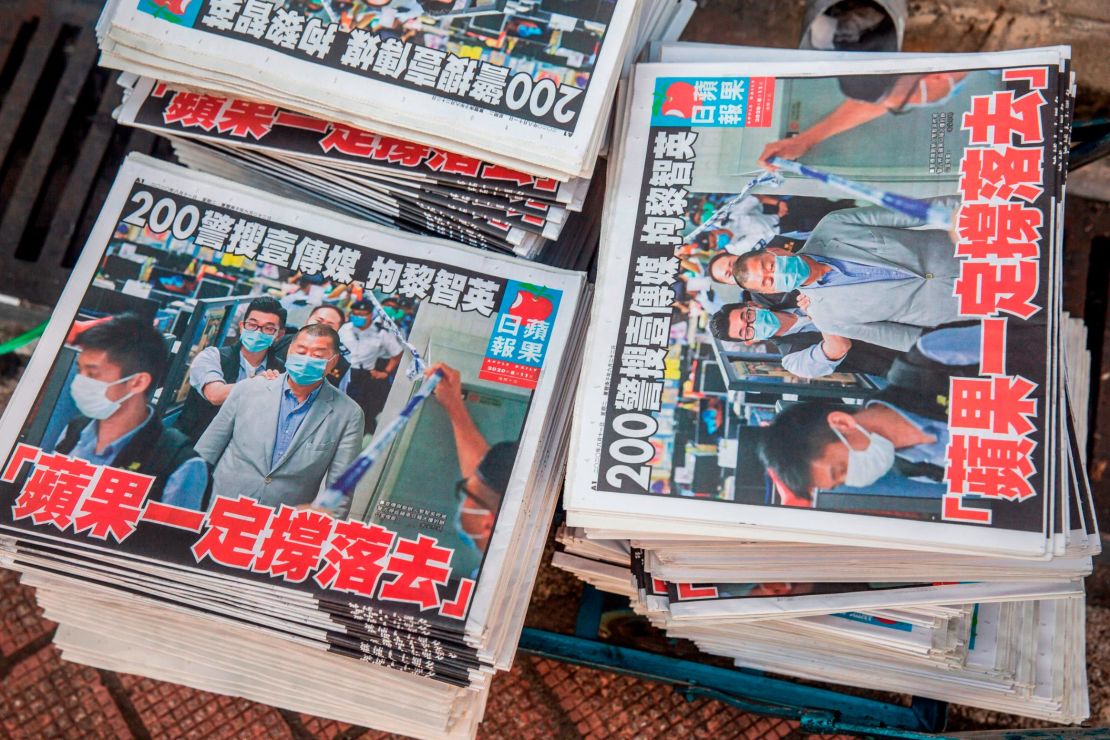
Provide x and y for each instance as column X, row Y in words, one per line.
column 240, row 443
column 889, row 313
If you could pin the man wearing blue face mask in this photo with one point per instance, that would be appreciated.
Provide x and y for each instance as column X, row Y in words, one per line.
column 742, row 322
column 374, row 353
column 805, row 352
column 334, row 317
column 216, row 370
column 867, row 274
column 277, row 440
column 121, row 363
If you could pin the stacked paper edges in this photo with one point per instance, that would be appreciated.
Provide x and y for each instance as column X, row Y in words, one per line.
column 829, row 400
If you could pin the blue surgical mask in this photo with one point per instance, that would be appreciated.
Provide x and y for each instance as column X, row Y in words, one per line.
column 790, row 272
column 360, row 321
column 256, row 341
column 723, row 239
column 305, row 369
column 766, row 324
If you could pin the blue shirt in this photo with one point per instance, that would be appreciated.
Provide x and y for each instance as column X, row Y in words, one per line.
column 846, row 272
column 291, row 415
column 185, row 486
column 958, row 345
column 811, row 362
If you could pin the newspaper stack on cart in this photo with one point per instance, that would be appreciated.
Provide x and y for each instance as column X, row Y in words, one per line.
column 475, row 120
column 368, row 564
column 825, row 427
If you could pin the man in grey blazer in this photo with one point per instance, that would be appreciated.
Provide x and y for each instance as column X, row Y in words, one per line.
column 866, row 274
column 275, row 440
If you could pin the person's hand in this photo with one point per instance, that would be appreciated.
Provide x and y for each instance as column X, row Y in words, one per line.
column 268, row 374
column 803, row 302
column 784, row 208
column 791, row 148
column 379, row 374
column 449, row 390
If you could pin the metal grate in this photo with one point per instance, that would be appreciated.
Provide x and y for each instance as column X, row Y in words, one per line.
column 59, row 146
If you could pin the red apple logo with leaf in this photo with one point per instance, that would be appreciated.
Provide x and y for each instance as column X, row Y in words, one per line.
column 531, row 306
column 679, row 100
column 177, row 7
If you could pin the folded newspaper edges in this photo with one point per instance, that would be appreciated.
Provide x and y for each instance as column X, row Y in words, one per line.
column 519, row 105
column 835, row 371
column 109, row 479
column 407, row 185
column 152, row 105
column 999, row 656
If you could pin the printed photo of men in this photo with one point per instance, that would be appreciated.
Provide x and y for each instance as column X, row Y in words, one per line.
column 902, row 430
column 215, row 370
column 332, row 316
column 867, row 274
column 805, row 351
column 277, row 440
column 120, row 362
column 485, row 470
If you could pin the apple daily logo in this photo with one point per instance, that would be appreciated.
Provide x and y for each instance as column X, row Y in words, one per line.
column 718, row 102
column 182, row 12
column 521, row 333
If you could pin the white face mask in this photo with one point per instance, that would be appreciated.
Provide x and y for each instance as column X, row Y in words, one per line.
column 91, row 397
column 869, row 464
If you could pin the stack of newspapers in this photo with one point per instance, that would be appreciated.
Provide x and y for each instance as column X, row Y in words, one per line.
column 304, row 545
column 476, row 120
column 824, row 430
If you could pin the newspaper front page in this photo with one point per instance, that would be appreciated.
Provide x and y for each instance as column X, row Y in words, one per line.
column 112, row 450
column 828, row 306
column 530, row 81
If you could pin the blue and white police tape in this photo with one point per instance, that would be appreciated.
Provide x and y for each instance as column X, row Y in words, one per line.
column 416, row 369
column 767, row 178
column 344, row 487
column 924, row 211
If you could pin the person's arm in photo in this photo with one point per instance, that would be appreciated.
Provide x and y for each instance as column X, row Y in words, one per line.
column 879, row 216
column 207, row 377
column 217, row 436
column 470, row 444
column 887, row 334
column 846, row 116
column 390, row 366
column 818, row 360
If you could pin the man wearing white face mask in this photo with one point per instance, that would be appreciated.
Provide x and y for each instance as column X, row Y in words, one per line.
column 121, row 363
column 903, row 428
column 821, row 446
column 277, row 439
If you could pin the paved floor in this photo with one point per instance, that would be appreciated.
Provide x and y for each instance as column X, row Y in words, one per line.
column 44, row 696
